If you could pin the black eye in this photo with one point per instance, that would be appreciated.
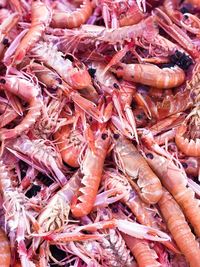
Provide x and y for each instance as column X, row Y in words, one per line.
column 5, row 41
column 3, row 81
column 92, row 72
column 116, row 85
column 149, row 156
column 59, row 80
column 104, row 136
column 184, row 165
column 140, row 116
column 68, row 56
column 116, row 136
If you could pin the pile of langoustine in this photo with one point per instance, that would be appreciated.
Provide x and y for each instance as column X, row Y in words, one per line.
column 100, row 133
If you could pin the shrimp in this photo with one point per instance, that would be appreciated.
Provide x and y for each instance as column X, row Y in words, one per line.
column 7, row 25
column 91, row 171
column 40, row 19
column 144, row 255
column 119, row 35
column 184, row 20
column 69, row 143
column 151, row 75
column 120, row 13
column 44, row 156
column 17, row 216
column 45, row 75
column 122, row 95
column 72, row 19
column 55, row 214
column 188, row 146
column 188, row 134
column 179, row 228
column 5, row 28
column 72, row 72
column 50, row 120
column 123, row 225
column 144, row 215
column 28, row 92
column 175, row 181
column 114, row 180
column 176, row 33
column 129, row 160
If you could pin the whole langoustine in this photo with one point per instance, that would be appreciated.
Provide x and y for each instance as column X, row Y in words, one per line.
column 40, row 19
column 129, row 160
column 91, row 172
column 179, row 228
column 175, row 181
column 74, row 73
column 151, row 75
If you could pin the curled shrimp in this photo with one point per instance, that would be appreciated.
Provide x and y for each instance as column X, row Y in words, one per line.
column 72, row 19
column 151, row 75
column 175, row 181
column 91, row 171
column 40, row 19
column 189, row 146
column 179, row 228
column 4, row 250
column 69, row 143
column 135, row 166
column 28, row 92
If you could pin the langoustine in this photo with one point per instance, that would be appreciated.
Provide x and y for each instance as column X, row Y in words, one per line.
column 132, row 163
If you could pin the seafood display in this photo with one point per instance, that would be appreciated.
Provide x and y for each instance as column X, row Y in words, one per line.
column 100, row 133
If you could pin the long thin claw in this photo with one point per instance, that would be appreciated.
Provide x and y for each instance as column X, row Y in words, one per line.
column 142, row 5
column 104, row 199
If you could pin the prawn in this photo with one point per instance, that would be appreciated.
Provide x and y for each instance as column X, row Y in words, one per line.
column 4, row 250
column 129, row 160
column 72, row 19
column 188, row 134
column 122, row 94
column 151, row 75
column 179, row 228
column 45, row 157
column 120, row 13
column 113, row 180
column 73, row 72
column 6, row 26
column 16, row 216
column 69, row 144
column 144, row 255
column 175, row 181
column 27, row 91
column 91, row 172
column 40, row 19
column 188, row 146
